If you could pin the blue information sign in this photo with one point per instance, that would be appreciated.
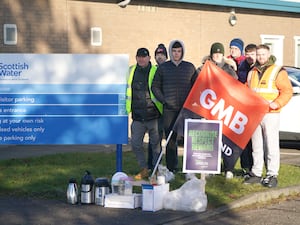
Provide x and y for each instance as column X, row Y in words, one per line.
column 63, row 99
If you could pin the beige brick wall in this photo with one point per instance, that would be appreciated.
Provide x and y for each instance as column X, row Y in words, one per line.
column 41, row 25
column 63, row 26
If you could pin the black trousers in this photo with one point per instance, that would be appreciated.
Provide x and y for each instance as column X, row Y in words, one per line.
column 169, row 118
column 245, row 155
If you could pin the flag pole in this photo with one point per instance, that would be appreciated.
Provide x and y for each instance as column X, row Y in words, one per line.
column 161, row 154
column 165, row 145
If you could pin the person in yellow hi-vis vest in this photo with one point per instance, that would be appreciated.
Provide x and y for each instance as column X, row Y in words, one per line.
column 272, row 83
column 145, row 110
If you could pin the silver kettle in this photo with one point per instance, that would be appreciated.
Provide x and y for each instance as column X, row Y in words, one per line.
column 72, row 192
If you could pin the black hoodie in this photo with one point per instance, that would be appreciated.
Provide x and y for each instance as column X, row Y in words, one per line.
column 172, row 82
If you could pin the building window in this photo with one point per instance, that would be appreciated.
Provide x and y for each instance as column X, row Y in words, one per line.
column 10, row 34
column 297, row 51
column 275, row 42
column 96, row 36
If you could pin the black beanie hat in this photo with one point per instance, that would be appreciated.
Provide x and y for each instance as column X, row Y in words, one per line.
column 161, row 49
column 217, row 48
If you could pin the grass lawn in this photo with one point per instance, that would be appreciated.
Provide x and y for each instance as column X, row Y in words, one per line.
column 47, row 176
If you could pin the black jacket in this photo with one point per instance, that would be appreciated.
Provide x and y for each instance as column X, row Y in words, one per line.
column 143, row 108
column 172, row 83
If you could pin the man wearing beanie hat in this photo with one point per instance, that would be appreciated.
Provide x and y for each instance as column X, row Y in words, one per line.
column 228, row 65
column 161, row 54
column 217, row 57
column 236, row 51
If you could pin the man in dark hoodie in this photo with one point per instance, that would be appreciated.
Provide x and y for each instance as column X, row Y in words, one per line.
column 171, row 85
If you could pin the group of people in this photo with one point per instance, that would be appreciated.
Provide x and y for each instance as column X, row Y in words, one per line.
column 156, row 93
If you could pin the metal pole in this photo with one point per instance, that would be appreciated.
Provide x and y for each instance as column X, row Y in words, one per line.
column 119, row 157
column 203, row 175
column 161, row 154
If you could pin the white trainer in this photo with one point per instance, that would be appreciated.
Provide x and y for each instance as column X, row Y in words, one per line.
column 229, row 175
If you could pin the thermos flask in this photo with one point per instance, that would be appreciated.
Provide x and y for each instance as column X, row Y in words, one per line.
column 87, row 189
column 72, row 192
column 102, row 188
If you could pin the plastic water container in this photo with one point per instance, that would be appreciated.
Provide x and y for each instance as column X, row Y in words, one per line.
column 118, row 183
column 122, row 187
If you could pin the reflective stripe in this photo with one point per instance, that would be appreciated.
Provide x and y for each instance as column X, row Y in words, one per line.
column 272, row 78
column 265, row 86
column 265, row 90
column 129, row 89
column 153, row 98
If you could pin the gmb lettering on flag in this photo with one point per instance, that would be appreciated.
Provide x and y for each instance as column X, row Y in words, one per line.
column 217, row 96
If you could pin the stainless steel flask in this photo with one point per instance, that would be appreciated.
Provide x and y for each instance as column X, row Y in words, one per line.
column 72, row 192
column 87, row 189
column 102, row 188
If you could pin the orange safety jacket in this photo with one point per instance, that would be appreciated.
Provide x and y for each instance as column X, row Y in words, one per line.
column 273, row 85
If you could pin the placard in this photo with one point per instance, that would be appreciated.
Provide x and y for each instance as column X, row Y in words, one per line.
column 202, row 146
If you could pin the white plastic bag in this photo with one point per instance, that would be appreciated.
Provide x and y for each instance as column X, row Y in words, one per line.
column 189, row 197
column 189, row 176
column 163, row 171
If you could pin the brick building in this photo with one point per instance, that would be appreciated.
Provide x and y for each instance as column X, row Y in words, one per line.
column 74, row 26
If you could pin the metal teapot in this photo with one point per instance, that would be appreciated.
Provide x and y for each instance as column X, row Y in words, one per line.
column 72, row 192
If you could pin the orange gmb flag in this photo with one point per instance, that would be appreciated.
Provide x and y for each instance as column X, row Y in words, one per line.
column 217, row 96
